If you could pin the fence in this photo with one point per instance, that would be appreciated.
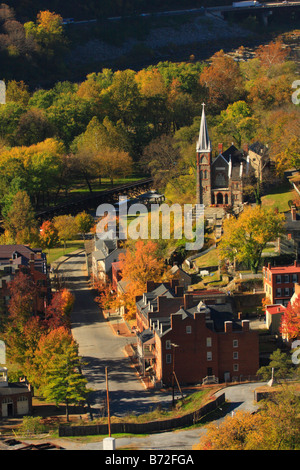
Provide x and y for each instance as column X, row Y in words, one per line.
column 143, row 428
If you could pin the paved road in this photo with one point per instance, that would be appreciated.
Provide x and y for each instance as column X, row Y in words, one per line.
column 101, row 348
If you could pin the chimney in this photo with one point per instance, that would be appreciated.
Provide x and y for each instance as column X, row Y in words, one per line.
column 240, row 314
column 228, row 326
column 246, row 325
column 188, row 301
column 294, row 212
column 295, row 264
column 179, row 291
column 220, row 148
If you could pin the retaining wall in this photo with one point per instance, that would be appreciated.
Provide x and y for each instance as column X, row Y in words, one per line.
column 143, row 428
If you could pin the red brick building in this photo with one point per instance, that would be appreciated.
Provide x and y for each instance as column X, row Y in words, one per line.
column 32, row 262
column 198, row 341
column 279, row 282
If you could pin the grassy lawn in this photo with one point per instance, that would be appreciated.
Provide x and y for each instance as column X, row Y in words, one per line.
column 209, row 259
column 54, row 253
column 280, row 198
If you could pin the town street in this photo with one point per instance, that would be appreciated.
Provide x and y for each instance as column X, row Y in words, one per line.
column 100, row 348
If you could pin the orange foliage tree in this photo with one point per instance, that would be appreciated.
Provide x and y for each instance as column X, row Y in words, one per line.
column 140, row 263
column 290, row 320
column 223, row 81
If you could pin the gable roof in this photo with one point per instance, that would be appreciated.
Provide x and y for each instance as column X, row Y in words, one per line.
column 234, row 154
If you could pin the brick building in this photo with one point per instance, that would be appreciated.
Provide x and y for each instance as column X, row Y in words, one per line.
column 196, row 341
column 15, row 398
column 279, row 282
column 32, row 262
column 220, row 177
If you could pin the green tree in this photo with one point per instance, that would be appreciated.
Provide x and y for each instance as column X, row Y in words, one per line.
column 281, row 363
column 20, row 221
column 66, row 227
column 58, row 369
column 246, row 237
column 84, row 222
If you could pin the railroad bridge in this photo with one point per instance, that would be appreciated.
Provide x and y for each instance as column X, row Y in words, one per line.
column 91, row 202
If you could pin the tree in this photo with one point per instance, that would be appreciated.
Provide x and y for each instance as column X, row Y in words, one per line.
column 66, row 227
column 47, row 31
column 140, row 264
column 223, row 81
column 49, row 234
column 161, row 158
column 274, row 427
column 272, row 54
column 20, row 220
column 282, row 365
column 236, row 123
column 84, row 222
column 246, row 237
column 58, row 312
column 58, row 369
column 290, row 320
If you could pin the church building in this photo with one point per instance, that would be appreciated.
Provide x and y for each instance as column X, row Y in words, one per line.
column 220, row 177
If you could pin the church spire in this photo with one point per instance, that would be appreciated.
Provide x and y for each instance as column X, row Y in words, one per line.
column 203, row 144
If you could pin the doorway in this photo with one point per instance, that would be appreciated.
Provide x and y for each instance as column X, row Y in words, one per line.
column 220, row 198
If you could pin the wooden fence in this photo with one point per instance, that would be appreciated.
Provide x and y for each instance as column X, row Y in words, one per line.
column 143, row 428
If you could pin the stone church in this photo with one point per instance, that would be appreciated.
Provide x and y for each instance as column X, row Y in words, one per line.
column 219, row 178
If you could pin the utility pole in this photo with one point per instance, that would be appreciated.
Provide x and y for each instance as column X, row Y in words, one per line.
column 107, row 399
column 174, row 346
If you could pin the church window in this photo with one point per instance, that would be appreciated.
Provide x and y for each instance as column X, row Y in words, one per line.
column 220, row 180
column 204, row 160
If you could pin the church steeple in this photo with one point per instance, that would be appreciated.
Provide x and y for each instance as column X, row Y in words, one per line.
column 203, row 148
column 203, row 144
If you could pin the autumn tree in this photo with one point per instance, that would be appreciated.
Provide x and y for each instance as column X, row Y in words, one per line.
column 140, row 264
column 223, row 81
column 47, row 32
column 57, row 372
column 49, row 234
column 290, row 320
column 272, row 54
column 275, row 426
column 20, row 220
column 66, row 227
column 84, row 222
column 246, row 237
column 58, row 312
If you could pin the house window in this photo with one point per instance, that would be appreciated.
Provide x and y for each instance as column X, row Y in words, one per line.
column 278, row 292
column 235, row 367
column 278, row 279
column 235, row 343
column 286, row 278
column 209, row 356
column 286, row 292
column 208, row 342
column 295, row 278
column 235, row 355
column 168, row 358
column 188, row 329
column 168, row 344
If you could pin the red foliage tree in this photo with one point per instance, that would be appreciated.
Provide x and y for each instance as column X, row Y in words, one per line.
column 290, row 320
